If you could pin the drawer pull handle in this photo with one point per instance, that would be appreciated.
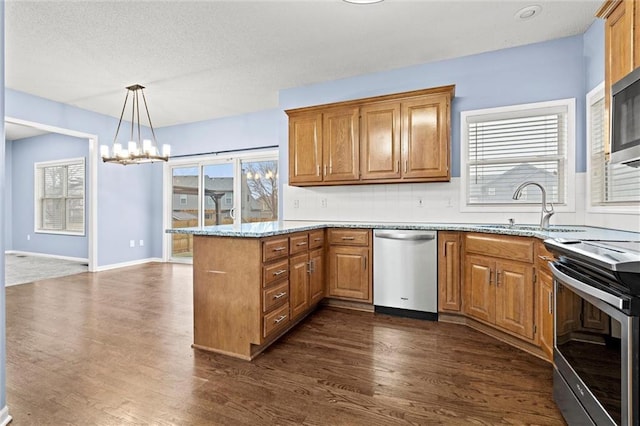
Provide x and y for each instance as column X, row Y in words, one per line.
column 301, row 243
column 349, row 238
column 280, row 272
column 279, row 248
column 317, row 239
column 545, row 258
column 279, row 319
column 279, row 295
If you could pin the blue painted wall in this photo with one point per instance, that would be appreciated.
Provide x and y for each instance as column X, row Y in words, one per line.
column 8, row 235
column 25, row 153
column 251, row 130
column 129, row 198
column 594, row 55
column 533, row 73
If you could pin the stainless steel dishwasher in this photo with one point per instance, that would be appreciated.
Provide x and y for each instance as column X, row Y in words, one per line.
column 405, row 274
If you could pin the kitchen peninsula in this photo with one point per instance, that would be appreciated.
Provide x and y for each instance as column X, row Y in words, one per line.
column 254, row 282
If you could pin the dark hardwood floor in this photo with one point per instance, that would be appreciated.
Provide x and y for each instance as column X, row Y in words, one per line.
column 113, row 348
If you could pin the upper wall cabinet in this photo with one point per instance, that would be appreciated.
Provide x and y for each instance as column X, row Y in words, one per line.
column 403, row 137
column 622, row 42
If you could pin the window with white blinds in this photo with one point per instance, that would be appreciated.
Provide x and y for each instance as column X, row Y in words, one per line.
column 505, row 147
column 611, row 184
column 60, row 196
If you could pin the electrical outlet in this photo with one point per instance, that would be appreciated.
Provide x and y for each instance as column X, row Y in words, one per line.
column 132, row 243
column 419, row 202
column 141, row 243
column 296, row 204
column 323, row 203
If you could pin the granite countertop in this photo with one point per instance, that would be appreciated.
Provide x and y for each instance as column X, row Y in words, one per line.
column 268, row 229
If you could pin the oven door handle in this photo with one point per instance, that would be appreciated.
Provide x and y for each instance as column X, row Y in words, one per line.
column 585, row 288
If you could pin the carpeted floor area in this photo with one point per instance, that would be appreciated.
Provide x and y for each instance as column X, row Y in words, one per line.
column 21, row 269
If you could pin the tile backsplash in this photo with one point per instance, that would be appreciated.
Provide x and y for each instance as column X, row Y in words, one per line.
column 426, row 202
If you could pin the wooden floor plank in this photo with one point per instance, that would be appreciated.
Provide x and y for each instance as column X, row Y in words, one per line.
column 114, row 348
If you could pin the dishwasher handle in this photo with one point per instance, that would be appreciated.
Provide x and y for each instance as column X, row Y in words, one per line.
column 399, row 235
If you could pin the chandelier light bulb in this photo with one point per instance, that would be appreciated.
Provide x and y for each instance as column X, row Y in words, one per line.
column 104, row 151
column 146, row 146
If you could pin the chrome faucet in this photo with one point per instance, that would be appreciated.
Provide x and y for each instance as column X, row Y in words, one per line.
column 546, row 213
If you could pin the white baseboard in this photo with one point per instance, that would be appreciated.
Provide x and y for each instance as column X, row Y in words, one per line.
column 51, row 256
column 125, row 264
column 5, row 418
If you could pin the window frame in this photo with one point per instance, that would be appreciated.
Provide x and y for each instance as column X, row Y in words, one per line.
column 596, row 94
column 37, row 196
column 517, row 207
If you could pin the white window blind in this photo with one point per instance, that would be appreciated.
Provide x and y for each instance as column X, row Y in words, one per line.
column 60, row 190
column 611, row 184
column 510, row 147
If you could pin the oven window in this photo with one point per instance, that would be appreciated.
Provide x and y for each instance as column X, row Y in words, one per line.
column 590, row 341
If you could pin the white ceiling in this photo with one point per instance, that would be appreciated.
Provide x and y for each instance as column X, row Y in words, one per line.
column 210, row 59
column 14, row 132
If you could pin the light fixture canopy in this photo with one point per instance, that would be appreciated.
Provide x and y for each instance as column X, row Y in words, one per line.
column 528, row 12
column 137, row 149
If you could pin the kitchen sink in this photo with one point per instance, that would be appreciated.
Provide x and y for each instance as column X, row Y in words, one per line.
column 531, row 228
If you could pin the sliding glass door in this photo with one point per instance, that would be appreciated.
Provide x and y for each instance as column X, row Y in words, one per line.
column 185, row 208
column 216, row 191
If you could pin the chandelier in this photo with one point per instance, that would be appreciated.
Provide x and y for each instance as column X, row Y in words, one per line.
column 137, row 150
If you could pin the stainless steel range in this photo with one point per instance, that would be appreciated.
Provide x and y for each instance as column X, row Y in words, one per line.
column 596, row 331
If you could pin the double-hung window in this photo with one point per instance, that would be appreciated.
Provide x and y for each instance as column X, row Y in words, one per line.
column 504, row 147
column 612, row 187
column 60, row 196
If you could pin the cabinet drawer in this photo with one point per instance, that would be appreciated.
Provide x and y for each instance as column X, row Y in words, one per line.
column 274, row 249
column 316, row 239
column 274, row 296
column 298, row 243
column 512, row 248
column 275, row 272
column 349, row 237
column 275, row 320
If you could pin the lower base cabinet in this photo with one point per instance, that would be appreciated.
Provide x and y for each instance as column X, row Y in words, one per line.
column 350, row 271
column 498, row 291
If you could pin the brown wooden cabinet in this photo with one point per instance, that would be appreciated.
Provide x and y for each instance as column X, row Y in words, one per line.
column 306, row 273
column 403, row 137
column 350, row 271
column 544, row 299
column 622, row 44
column 425, row 125
column 380, row 148
column 341, row 144
column 499, row 290
column 305, row 148
column 299, row 284
column 449, row 285
column 545, row 312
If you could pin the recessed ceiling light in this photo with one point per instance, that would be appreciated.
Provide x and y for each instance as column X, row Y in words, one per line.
column 528, row 12
column 363, row 1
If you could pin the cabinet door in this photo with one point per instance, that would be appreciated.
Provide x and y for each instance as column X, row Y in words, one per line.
column 341, row 145
column 349, row 273
column 425, row 138
column 449, row 298
column 305, row 148
column 515, row 297
column 298, row 285
column 619, row 40
column 316, row 278
column 636, row 35
column 479, row 289
column 545, row 312
column 380, row 141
